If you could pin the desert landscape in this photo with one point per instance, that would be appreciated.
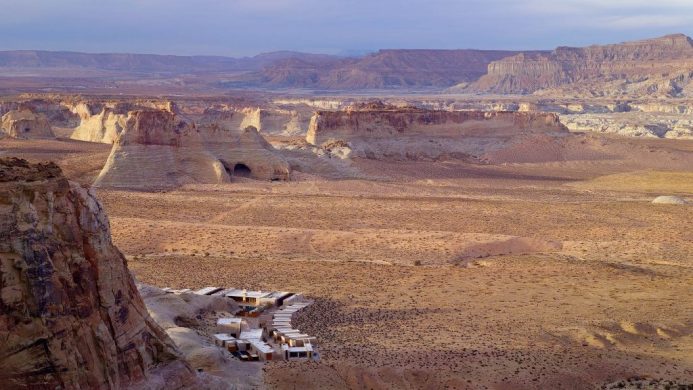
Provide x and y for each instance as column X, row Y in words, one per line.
column 443, row 219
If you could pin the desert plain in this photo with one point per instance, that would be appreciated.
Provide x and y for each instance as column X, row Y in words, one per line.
column 454, row 219
column 560, row 274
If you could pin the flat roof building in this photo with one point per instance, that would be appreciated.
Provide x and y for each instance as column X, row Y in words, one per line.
column 208, row 290
column 222, row 339
column 304, row 352
column 262, row 349
column 251, row 334
column 257, row 298
column 230, row 325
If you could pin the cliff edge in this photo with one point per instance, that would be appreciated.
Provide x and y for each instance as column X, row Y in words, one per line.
column 71, row 316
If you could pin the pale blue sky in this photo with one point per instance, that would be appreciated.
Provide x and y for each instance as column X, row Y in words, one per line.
column 246, row 27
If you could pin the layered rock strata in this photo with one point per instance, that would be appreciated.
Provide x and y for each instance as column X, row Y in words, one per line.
column 71, row 316
column 661, row 66
column 378, row 131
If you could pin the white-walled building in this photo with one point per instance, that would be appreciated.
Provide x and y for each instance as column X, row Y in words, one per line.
column 230, row 325
column 304, row 352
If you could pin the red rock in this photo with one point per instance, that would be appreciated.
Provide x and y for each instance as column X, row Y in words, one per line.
column 71, row 316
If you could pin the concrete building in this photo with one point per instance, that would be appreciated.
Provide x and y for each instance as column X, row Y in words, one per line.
column 251, row 334
column 262, row 349
column 299, row 340
column 222, row 339
column 231, row 325
column 208, row 290
column 292, row 353
column 257, row 298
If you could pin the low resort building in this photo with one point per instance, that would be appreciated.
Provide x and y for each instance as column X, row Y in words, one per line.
column 269, row 337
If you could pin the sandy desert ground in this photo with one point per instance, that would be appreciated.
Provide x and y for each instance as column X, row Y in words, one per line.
column 441, row 275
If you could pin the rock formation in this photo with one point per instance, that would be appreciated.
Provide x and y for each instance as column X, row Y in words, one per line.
column 379, row 131
column 26, row 124
column 269, row 120
column 104, row 121
column 157, row 149
column 71, row 315
column 99, row 124
column 56, row 113
column 633, row 124
column 661, row 66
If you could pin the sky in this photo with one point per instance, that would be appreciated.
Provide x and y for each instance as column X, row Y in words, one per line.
column 248, row 27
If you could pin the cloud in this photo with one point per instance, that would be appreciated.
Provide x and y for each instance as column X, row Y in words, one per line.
column 644, row 21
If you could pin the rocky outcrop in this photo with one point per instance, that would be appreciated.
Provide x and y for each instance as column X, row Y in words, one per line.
column 633, row 124
column 104, row 121
column 56, row 113
column 379, row 131
column 156, row 149
column 26, row 124
column 99, row 124
column 275, row 121
column 71, row 316
column 661, row 66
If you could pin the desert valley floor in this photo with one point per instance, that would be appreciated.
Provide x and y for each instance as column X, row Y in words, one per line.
column 439, row 274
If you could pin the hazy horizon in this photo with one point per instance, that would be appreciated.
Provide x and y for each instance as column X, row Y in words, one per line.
column 238, row 28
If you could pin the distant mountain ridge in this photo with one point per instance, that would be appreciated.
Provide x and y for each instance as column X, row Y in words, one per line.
column 654, row 67
column 145, row 63
column 384, row 69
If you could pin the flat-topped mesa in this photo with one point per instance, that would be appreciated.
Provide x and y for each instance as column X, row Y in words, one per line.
column 377, row 131
column 156, row 149
column 71, row 315
column 26, row 124
column 394, row 122
column 652, row 61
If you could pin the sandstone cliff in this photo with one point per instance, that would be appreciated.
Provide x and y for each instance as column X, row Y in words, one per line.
column 104, row 121
column 275, row 121
column 379, row 131
column 157, row 149
column 99, row 124
column 661, row 66
column 26, row 124
column 71, row 316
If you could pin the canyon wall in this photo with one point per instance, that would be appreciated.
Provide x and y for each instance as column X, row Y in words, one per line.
column 71, row 316
column 661, row 66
